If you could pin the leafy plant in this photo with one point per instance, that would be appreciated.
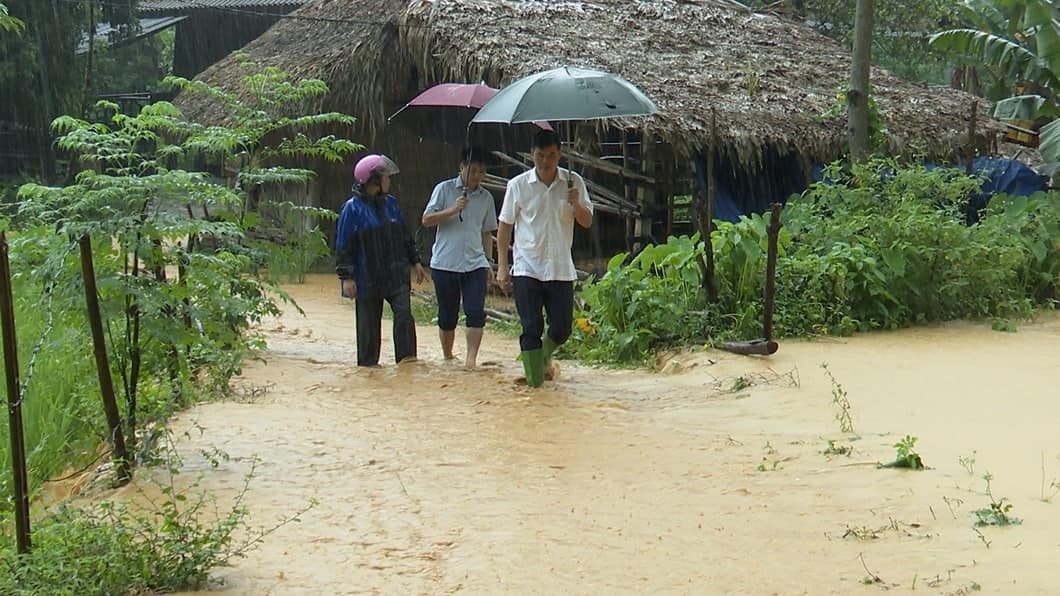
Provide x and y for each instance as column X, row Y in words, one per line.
column 968, row 463
column 878, row 245
column 168, row 544
column 9, row 23
column 840, row 401
column 1018, row 43
column 770, row 465
column 835, row 448
column 877, row 124
column 906, row 456
column 179, row 259
column 997, row 513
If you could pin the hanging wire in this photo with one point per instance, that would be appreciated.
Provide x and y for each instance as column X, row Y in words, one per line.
column 49, row 326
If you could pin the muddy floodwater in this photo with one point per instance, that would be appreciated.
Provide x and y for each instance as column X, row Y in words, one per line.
column 707, row 475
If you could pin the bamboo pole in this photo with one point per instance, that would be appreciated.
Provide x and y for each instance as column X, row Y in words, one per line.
column 773, row 235
column 122, row 460
column 708, row 225
column 23, row 538
column 971, row 137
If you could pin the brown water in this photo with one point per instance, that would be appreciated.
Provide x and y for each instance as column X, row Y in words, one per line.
column 433, row 480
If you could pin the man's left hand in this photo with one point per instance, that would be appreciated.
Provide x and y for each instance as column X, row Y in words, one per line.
column 421, row 273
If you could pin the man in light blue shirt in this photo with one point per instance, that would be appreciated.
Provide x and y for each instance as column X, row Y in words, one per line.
column 461, row 258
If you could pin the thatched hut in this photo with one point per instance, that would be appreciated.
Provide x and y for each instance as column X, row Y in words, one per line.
column 748, row 88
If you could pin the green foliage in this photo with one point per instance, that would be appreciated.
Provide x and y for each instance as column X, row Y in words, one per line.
column 875, row 246
column 877, row 125
column 899, row 40
column 841, row 402
column 168, row 542
column 1016, row 44
column 906, row 456
column 1015, row 41
column 136, row 66
column 182, row 262
column 9, row 23
column 652, row 300
column 998, row 512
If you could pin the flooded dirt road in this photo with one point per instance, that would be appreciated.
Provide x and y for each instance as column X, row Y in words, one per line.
column 705, row 477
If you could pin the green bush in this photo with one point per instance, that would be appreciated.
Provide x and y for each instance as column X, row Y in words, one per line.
column 875, row 246
column 168, row 542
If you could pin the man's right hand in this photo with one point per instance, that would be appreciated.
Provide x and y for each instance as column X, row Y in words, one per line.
column 349, row 288
column 460, row 203
column 504, row 280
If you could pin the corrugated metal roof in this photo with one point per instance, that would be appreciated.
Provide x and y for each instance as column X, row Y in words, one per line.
column 148, row 26
column 153, row 6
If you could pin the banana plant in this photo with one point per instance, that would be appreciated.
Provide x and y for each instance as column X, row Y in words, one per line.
column 1018, row 41
column 8, row 22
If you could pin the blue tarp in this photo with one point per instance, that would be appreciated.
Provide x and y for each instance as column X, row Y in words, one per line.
column 737, row 193
column 1001, row 176
column 1008, row 176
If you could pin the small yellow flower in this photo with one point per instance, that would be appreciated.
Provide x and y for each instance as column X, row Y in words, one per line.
column 585, row 325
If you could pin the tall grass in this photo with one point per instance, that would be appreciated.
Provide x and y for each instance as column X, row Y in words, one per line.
column 61, row 410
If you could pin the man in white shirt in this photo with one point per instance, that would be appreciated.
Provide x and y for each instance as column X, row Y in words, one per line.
column 539, row 210
column 461, row 257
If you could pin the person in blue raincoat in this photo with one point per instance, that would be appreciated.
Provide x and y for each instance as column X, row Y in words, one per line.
column 375, row 256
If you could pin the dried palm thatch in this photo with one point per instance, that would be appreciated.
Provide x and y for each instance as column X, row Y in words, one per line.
column 766, row 78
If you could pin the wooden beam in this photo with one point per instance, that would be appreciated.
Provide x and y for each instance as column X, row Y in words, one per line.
column 606, row 166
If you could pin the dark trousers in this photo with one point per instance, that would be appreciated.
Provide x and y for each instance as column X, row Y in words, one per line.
column 557, row 300
column 450, row 287
column 369, row 325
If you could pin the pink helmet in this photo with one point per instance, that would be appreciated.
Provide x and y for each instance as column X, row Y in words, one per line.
column 373, row 165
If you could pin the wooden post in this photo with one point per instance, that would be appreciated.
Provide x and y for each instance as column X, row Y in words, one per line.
column 708, row 225
column 971, row 136
column 773, row 236
column 629, row 190
column 646, row 198
column 14, row 404
column 122, row 460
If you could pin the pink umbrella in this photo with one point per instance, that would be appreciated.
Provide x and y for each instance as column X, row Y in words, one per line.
column 457, row 95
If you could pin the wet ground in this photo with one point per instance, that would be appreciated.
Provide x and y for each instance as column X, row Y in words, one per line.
column 706, row 476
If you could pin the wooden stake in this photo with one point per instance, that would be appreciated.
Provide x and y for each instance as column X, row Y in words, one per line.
column 14, row 404
column 121, row 458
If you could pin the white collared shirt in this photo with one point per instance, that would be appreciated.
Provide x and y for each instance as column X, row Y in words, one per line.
column 544, row 225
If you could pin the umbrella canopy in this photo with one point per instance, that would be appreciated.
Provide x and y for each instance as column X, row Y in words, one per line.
column 456, row 95
column 469, row 96
column 566, row 93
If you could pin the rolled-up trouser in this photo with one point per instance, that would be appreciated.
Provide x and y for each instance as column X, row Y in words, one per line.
column 452, row 286
column 557, row 300
column 369, row 325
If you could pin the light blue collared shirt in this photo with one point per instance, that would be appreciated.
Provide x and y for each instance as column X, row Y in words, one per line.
column 458, row 239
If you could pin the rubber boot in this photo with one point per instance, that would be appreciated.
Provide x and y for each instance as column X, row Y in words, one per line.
column 547, row 348
column 533, row 365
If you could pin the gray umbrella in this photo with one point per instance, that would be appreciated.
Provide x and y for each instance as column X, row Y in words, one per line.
column 566, row 93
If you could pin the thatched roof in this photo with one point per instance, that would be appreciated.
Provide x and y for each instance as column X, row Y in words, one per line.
column 766, row 77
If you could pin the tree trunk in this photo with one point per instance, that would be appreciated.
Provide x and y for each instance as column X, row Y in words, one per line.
column 858, row 95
